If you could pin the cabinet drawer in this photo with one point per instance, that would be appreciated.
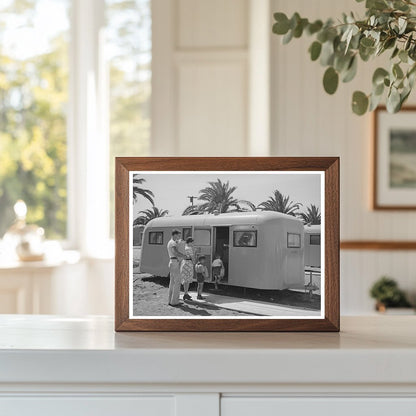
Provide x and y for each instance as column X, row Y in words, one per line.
column 274, row 406
column 87, row 406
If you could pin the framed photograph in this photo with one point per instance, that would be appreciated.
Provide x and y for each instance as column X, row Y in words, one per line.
column 227, row 244
column 394, row 178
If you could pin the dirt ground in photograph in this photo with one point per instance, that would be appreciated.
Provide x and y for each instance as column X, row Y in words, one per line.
column 150, row 298
column 150, row 295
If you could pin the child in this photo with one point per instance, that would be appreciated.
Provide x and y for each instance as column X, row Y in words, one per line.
column 217, row 266
column 201, row 275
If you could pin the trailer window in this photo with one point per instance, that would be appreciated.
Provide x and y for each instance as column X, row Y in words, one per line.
column 156, row 237
column 202, row 237
column 245, row 238
column 293, row 240
column 186, row 232
column 315, row 240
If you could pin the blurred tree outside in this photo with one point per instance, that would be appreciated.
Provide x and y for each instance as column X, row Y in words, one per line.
column 34, row 71
column 129, row 51
column 33, row 100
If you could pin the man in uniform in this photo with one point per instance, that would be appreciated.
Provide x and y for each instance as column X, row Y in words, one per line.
column 175, row 257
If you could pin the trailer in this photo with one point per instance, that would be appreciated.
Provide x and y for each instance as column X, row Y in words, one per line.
column 313, row 246
column 262, row 249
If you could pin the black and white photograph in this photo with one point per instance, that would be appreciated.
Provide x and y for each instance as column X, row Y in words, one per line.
column 226, row 244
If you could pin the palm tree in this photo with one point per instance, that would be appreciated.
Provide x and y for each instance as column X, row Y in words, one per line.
column 245, row 206
column 312, row 216
column 217, row 197
column 193, row 210
column 280, row 203
column 138, row 190
column 149, row 214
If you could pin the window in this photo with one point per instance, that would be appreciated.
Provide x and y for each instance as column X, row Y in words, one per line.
column 315, row 239
column 202, row 237
column 186, row 232
column 129, row 55
column 156, row 237
column 293, row 240
column 59, row 134
column 245, row 238
column 33, row 107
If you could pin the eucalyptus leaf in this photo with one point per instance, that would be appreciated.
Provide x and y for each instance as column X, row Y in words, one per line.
column 298, row 30
column 341, row 62
column 404, row 96
column 379, row 75
column 393, row 101
column 314, row 27
column 359, row 103
column 378, row 89
column 330, row 80
column 395, row 52
column 389, row 43
column 367, row 42
column 288, row 37
column 408, row 42
column 327, row 54
column 315, row 50
column 281, row 26
column 350, row 73
column 403, row 56
column 376, row 4
column 402, row 23
column 397, row 71
column 374, row 102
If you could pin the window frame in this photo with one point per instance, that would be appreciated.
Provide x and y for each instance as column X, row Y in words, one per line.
column 245, row 231
column 287, row 240
column 155, row 232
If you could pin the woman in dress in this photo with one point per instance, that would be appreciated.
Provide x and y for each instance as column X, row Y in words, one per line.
column 187, row 267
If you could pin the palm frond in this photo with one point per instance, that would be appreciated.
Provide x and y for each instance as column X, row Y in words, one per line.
column 280, row 203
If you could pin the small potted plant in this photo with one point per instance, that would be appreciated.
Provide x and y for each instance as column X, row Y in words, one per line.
column 387, row 294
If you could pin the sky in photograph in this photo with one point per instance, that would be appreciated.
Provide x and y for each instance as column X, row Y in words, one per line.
column 172, row 190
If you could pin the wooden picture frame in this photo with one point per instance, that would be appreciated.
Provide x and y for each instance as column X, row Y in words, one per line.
column 382, row 198
column 328, row 167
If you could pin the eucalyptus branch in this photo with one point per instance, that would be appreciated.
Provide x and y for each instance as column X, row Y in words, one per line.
column 388, row 26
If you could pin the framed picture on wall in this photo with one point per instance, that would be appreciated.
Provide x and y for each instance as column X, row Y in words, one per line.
column 227, row 244
column 394, row 176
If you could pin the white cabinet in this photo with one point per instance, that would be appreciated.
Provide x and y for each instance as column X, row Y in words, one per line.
column 88, row 406
column 51, row 365
column 272, row 406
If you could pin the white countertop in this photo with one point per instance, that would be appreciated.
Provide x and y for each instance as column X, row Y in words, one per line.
column 53, row 349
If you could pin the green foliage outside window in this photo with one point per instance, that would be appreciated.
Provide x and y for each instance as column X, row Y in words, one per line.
column 33, row 100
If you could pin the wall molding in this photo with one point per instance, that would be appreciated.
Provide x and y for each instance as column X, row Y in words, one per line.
column 377, row 245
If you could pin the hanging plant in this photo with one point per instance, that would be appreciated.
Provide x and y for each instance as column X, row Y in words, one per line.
column 389, row 27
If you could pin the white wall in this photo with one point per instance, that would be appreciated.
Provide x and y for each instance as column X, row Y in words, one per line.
column 218, row 79
column 200, row 77
column 308, row 122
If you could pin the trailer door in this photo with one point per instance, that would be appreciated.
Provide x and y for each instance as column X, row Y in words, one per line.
column 203, row 246
column 221, row 246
